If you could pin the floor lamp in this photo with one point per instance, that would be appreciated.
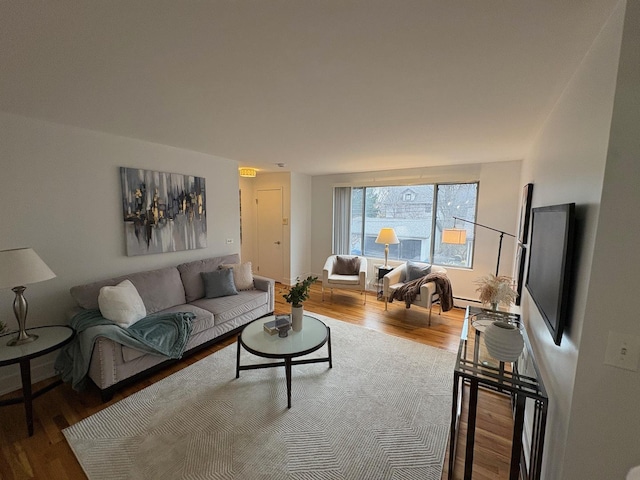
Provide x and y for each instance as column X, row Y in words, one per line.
column 458, row 236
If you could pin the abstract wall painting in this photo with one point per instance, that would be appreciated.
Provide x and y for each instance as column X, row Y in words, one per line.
column 162, row 212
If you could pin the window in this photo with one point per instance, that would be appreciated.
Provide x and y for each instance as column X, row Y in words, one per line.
column 409, row 210
column 455, row 200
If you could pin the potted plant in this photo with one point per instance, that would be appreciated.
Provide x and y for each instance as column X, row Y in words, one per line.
column 297, row 294
column 495, row 289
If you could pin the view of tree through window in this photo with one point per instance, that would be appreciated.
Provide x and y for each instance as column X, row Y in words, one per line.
column 409, row 210
column 455, row 200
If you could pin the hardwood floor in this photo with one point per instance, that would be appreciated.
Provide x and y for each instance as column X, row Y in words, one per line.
column 46, row 454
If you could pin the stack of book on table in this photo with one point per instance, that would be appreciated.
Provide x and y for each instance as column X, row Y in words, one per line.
column 272, row 327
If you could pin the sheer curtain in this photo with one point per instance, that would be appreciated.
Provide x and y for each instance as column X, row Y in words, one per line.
column 341, row 220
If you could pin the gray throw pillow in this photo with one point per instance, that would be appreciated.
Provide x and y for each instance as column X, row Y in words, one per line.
column 347, row 266
column 218, row 283
column 417, row 270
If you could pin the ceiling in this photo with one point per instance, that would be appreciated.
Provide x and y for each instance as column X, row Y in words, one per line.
column 323, row 86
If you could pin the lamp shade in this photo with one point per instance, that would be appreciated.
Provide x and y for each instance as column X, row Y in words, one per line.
column 22, row 266
column 455, row 236
column 387, row 236
column 247, row 172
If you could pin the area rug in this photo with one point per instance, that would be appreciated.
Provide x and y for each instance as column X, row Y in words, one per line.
column 381, row 412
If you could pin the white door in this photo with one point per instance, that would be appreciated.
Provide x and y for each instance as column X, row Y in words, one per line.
column 269, row 235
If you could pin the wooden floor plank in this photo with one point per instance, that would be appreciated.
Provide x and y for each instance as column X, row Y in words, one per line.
column 47, row 454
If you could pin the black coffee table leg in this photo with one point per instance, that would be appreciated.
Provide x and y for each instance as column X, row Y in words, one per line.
column 238, row 360
column 329, row 347
column 287, row 371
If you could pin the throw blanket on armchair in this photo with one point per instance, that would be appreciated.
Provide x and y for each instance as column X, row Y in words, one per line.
column 410, row 290
column 160, row 334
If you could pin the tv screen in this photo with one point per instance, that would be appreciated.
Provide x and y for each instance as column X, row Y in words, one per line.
column 551, row 252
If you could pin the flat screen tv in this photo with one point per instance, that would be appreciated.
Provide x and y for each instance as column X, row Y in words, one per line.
column 550, row 258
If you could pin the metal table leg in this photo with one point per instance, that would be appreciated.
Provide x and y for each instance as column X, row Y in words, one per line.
column 471, row 428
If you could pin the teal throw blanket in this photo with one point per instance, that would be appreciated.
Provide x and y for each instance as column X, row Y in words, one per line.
column 159, row 334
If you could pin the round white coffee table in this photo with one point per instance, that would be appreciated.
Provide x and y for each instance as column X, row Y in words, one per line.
column 254, row 339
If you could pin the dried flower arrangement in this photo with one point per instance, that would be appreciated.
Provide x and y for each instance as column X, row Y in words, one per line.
column 496, row 289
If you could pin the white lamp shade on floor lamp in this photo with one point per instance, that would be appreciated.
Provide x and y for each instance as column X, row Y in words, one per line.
column 454, row 236
column 458, row 236
column 20, row 267
column 388, row 237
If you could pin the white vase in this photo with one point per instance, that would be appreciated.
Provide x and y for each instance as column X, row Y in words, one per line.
column 503, row 341
column 296, row 318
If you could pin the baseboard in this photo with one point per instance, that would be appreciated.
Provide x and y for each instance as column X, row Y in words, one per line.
column 462, row 302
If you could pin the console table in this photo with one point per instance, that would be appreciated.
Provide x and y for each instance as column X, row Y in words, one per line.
column 520, row 380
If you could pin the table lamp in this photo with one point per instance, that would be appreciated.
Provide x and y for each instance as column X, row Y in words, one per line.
column 22, row 266
column 388, row 237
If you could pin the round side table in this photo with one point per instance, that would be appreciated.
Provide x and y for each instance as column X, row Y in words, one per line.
column 50, row 338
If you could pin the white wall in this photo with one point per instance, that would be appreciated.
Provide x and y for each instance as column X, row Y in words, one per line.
column 300, row 226
column 248, row 250
column 60, row 191
column 567, row 164
column 604, row 430
column 498, row 207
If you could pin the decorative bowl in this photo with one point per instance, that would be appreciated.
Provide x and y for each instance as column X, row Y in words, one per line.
column 503, row 341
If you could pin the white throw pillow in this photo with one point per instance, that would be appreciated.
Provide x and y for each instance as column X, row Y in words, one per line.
column 242, row 275
column 121, row 304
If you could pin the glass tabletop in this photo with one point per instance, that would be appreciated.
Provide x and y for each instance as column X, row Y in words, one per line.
column 474, row 360
column 49, row 338
column 313, row 335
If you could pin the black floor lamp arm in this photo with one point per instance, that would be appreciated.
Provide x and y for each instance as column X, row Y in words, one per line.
column 484, row 226
column 502, row 234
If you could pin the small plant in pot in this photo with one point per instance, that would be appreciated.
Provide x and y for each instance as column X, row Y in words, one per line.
column 296, row 295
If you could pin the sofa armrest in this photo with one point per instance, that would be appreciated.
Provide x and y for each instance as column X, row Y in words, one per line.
column 106, row 357
column 391, row 278
column 263, row 283
column 327, row 269
column 427, row 290
column 266, row 285
column 363, row 271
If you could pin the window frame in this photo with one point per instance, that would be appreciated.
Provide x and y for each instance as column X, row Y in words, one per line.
column 434, row 219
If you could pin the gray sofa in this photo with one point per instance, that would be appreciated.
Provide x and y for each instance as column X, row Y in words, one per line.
column 173, row 289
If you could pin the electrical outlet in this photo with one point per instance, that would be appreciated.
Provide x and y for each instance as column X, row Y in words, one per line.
column 623, row 351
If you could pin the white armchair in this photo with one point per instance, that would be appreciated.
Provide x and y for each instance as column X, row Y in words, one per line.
column 346, row 272
column 398, row 277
